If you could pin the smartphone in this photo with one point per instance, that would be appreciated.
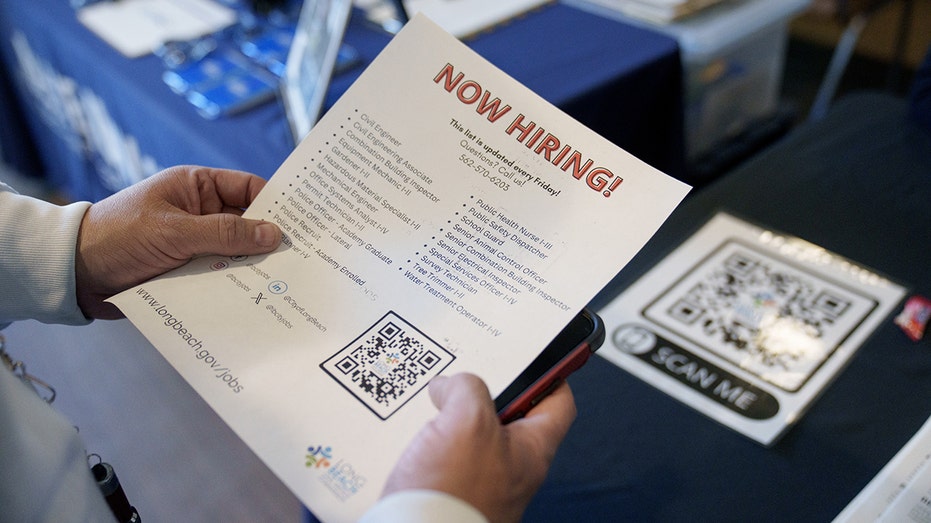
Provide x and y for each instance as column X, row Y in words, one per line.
column 568, row 351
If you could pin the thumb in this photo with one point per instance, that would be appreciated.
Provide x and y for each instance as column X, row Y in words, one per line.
column 461, row 396
column 229, row 234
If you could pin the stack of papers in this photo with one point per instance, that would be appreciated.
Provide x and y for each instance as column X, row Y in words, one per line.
column 461, row 18
column 658, row 11
column 138, row 27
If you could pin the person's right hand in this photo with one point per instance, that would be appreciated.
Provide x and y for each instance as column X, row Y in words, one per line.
column 465, row 451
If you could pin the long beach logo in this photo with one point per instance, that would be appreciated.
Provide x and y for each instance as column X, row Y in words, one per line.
column 318, row 457
column 339, row 476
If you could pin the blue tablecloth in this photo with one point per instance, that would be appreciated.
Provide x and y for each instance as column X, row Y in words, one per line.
column 100, row 121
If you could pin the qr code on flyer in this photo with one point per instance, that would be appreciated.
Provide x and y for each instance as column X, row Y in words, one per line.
column 388, row 364
column 763, row 313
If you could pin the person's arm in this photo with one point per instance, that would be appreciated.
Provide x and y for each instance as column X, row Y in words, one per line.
column 37, row 281
column 37, row 259
column 465, row 458
column 59, row 264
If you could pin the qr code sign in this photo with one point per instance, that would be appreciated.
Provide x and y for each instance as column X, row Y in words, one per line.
column 762, row 313
column 388, row 364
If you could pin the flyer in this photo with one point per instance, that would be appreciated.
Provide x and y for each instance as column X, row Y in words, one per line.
column 746, row 324
column 901, row 492
column 439, row 218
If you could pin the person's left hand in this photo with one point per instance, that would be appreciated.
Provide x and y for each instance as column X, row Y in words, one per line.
column 159, row 224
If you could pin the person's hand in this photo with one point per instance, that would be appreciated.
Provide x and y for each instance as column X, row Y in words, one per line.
column 466, row 452
column 161, row 223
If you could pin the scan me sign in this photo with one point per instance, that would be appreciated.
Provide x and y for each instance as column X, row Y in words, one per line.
column 698, row 374
column 745, row 324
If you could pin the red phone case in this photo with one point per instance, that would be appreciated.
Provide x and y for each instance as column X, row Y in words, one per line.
column 546, row 384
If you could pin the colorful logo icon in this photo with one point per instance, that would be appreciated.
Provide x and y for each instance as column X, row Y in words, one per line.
column 318, row 457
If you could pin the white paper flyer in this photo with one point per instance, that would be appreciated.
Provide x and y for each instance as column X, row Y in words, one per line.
column 745, row 324
column 440, row 218
column 901, row 492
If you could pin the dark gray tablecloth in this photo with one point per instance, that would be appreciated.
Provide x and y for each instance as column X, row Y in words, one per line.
column 859, row 184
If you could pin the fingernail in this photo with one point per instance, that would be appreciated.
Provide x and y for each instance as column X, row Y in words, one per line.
column 266, row 234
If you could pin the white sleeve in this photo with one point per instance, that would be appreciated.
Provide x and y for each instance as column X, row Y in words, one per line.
column 46, row 473
column 37, row 244
column 422, row 506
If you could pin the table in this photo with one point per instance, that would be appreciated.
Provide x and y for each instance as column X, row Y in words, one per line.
column 856, row 184
column 100, row 121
